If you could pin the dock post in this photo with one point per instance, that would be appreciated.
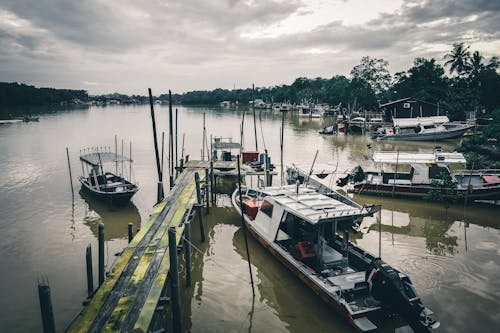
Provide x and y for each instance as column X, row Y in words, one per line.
column 130, row 232
column 207, row 194
column 212, row 181
column 187, row 253
column 199, row 205
column 266, row 168
column 90, row 273
column 181, row 165
column 101, row 253
column 46, row 308
column 174, row 275
column 159, row 192
column 70, row 175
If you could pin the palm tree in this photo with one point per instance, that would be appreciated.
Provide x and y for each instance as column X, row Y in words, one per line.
column 458, row 59
column 494, row 63
column 476, row 64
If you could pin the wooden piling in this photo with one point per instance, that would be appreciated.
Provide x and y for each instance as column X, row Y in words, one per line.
column 207, row 194
column 171, row 137
column 101, row 253
column 158, row 166
column 187, row 251
column 46, row 308
column 70, row 175
column 174, row 277
column 212, row 181
column 199, row 205
column 130, row 232
column 176, row 143
column 90, row 273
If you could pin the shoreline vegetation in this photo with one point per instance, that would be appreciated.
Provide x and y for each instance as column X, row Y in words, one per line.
column 472, row 85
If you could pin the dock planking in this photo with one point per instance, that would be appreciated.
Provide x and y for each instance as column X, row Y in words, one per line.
column 127, row 299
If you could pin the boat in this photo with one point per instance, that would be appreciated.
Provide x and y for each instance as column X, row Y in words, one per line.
column 427, row 172
column 301, row 227
column 422, row 129
column 357, row 124
column 225, row 160
column 107, row 186
column 330, row 130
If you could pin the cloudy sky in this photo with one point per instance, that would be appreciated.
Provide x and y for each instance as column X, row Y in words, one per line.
column 126, row 46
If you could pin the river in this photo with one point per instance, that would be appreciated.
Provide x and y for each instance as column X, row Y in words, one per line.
column 452, row 256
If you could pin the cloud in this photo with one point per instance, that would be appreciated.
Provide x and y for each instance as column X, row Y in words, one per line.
column 203, row 44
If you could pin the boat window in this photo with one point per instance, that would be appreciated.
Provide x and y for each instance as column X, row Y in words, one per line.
column 267, row 208
column 428, row 126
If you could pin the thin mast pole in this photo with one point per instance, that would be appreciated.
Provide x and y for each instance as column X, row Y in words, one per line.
column 254, row 121
column 203, row 139
column 176, row 137
column 395, row 174
column 130, row 162
column 154, row 136
column 281, row 145
column 312, row 167
column 116, row 153
column 171, row 133
column 122, row 174
column 243, row 223
column 162, row 149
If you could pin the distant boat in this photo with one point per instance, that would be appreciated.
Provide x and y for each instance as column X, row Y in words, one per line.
column 105, row 185
column 10, row 121
column 426, row 170
column 357, row 124
column 422, row 129
column 327, row 130
column 308, row 232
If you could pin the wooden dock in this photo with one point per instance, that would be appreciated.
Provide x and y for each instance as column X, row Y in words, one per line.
column 128, row 298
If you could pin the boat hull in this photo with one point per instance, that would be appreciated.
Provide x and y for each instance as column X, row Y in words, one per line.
column 433, row 136
column 112, row 198
column 415, row 191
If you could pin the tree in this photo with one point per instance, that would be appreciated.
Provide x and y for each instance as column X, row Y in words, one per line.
column 374, row 72
column 476, row 65
column 458, row 59
column 442, row 190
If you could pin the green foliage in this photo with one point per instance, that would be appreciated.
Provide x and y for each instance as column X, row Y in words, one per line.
column 442, row 190
column 492, row 131
column 15, row 94
column 374, row 72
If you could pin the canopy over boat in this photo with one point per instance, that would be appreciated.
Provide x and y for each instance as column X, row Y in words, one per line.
column 315, row 208
column 95, row 159
column 413, row 122
column 225, row 143
column 418, row 158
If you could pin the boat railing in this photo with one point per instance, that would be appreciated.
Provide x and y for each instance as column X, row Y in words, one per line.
column 478, row 171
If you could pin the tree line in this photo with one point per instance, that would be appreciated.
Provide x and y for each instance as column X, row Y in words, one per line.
column 18, row 94
column 472, row 84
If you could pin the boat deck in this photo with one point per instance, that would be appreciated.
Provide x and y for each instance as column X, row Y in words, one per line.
column 128, row 298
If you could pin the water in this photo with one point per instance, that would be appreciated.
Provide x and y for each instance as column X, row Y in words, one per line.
column 452, row 256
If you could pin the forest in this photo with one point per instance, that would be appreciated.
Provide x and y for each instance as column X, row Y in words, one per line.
column 466, row 81
column 18, row 94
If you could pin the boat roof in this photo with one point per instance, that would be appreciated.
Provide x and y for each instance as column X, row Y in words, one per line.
column 417, row 158
column 95, row 158
column 312, row 206
column 225, row 143
column 412, row 122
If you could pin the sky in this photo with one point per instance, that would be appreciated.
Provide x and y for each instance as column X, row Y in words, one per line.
column 126, row 46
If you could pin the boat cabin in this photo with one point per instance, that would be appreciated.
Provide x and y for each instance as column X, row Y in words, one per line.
column 306, row 224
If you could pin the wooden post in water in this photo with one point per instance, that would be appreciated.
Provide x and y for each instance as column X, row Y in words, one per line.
column 244, row 226
column 187, row 252
column 46, row 307
column 159, row 193
column 254, row 121
column 70, row 174
column 90, row 273
column 395, row 174
column 176, row 143
column 379, row 218
column 281, row 147
column 199, row 205
column 101, row 253
column 212, row 181
column 207, row 194
column 130, row 232
column 116, row 153
column 171, row 139
column 174, row 276
column 266, row 168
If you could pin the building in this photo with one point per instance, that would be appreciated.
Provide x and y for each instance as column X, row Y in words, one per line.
column 410, row 108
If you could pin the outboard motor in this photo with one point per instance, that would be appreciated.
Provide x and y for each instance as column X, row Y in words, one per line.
column 396, row 294
column 355, row 175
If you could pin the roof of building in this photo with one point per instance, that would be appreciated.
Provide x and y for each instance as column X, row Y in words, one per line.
column 404, row 100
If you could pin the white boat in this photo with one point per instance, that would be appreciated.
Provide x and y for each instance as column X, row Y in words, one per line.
column 301, row 228
column 422, row 129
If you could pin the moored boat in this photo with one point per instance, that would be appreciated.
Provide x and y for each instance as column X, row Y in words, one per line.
column 427, row 172
column 301, row 228
column 422, row 129
column 105, row 185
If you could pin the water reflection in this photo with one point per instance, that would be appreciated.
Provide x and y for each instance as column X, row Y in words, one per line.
column 115, row 220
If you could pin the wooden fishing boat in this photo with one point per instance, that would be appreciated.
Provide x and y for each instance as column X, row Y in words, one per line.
column 105, row 185
column 301, row 228
column 422, row 129
column 427, row 172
